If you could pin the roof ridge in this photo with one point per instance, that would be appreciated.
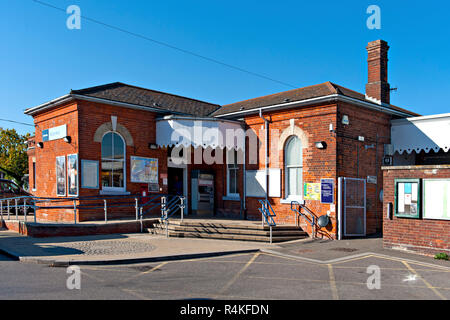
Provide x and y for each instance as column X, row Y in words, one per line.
column 142, row 88
column 272, row 94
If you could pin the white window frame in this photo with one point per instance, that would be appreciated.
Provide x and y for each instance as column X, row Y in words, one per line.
column 290, row 197
column 123, row 189
column 235, row 168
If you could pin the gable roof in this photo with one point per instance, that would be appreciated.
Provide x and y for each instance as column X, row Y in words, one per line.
column 135, row 97
column 300, row 94
column 121, row 92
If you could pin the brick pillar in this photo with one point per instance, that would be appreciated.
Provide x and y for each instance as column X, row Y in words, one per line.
column 377, row 86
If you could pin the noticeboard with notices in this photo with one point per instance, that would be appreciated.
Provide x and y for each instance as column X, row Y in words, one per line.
column 407, row 198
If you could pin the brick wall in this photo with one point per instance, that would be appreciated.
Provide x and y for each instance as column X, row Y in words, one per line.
column 317, row 163
column 357, row 159
column 82, row 120
column 420, row 235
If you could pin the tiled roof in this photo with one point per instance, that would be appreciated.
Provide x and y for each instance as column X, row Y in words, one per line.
column 315, row 91
column 167, row 102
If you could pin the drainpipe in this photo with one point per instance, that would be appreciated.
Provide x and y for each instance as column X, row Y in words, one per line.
column 244, row 187
column 266, row 150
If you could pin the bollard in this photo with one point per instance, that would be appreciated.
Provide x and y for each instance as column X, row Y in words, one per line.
column 137, row 207
column 182, row 208
column 25, row 209
column 106, row 212
column 34, row 209
column 74, row 211
column 142, row 227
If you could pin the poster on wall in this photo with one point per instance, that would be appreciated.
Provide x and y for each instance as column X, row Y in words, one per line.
column 436, row 199
column 144, row 170
column 407, row 198
column 72, row 174
column 311, row 191
column 61, row 176
column 326, row 190
column 89, row 174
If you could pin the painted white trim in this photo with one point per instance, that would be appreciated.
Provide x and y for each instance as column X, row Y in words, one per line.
column 49, row 104
column 288, row 200
column 70, row 97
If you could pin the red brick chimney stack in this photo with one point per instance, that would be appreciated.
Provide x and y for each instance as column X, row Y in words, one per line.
column 377, row 86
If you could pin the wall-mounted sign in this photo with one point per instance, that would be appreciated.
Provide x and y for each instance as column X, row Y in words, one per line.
column 326, row 191
column 407, row 198
column 61, row 176
column 72, row 174
column 54, row 133
column 311, row 191
column 436, row 199
column 89, row 174
column 372, row 179
column 144, row 170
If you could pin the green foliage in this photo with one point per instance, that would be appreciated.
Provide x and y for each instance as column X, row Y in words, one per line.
column 13, row 154
column 441, row 256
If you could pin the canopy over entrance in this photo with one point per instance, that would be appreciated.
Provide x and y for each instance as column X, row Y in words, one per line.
column 199, row 132
column 421, row 133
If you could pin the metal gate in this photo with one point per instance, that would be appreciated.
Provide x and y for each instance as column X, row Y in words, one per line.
column 352, row 207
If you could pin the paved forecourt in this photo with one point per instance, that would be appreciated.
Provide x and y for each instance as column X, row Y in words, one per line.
column 256, row 275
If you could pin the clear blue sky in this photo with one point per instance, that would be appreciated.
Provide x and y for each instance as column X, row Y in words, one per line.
column 298, row 42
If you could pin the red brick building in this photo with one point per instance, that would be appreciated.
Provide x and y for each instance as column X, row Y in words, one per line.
column 417, row 186
column 301, row 141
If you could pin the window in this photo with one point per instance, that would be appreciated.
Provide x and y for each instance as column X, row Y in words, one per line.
column 113, row 162
column 232, row 173
column 293, row 159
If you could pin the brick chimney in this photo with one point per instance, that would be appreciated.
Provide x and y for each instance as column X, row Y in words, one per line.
column 377, row 87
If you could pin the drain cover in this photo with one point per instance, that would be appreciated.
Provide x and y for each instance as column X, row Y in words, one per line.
column 344, row 249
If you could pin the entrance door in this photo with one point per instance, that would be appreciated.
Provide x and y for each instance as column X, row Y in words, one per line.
column 353, row 206
column 175, row 183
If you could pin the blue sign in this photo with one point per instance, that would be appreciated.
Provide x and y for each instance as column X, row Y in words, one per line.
column 45, row 135
column 326, row 191
column 54, row 133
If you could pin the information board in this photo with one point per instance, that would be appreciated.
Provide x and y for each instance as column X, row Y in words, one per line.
column 326, row 191
column 436, row 199
column 144, row 170
column 89, row 174
column 407, row 198
column 311, row 191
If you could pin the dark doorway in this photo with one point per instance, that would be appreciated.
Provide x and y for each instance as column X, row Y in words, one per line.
column 176, row 186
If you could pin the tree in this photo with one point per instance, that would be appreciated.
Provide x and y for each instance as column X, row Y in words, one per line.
column 13, row 154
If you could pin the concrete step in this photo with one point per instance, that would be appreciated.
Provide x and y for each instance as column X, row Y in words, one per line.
column 233, row 230
column 241, row 237
column 275, row 231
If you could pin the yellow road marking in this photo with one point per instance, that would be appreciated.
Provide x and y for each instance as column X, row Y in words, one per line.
column 333, row 287
column 424, row 281
column 236, row 276
column 423, row 264
column 148, row 271
column 343, row 282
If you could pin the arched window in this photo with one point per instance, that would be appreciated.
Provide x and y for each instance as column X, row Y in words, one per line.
column 293, row 159
column 113, row 162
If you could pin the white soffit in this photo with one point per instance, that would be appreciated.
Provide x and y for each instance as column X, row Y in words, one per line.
column 421, row 133
column 199, row 132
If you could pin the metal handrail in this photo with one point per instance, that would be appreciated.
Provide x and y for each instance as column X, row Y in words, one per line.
column 312, row 220
column 100, row 202
column 268, row 213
